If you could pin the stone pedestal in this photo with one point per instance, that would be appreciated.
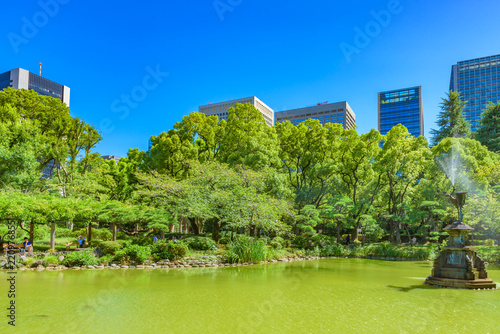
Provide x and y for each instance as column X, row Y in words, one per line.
column 458, row 265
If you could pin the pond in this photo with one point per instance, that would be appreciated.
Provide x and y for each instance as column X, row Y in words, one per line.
column 321, row 296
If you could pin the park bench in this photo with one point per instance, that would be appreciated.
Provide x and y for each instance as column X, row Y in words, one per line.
column 14, row 248
column 69, row 244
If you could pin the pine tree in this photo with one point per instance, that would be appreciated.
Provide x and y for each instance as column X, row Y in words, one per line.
column 489, row 127
column 451, row 120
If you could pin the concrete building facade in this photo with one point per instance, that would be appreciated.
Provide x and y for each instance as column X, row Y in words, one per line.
column 478, row 82
column 339, row 112
column 401, row 106
column 19, row 78
column 221, row 109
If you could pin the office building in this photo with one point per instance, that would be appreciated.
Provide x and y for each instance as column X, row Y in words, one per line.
column 478, row 82
column 111, row 157
column 401, row 106
column 220, row 109
column 19, row 78
column 339, row 112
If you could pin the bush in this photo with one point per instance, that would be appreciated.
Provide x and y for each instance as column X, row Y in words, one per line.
column 275, row 254
column 201, row 243
column 111, row 247
column 321, row 240
column 275, row 244
column 143, row 241
column 334, row 250
column 136, row 253
column 299, row 242
column 50, row 259
column 225, row 240
column 246, row 249
column 489, row 242
column 84, row 258
column 164, row 250
column 313, row 252
column 28, row 261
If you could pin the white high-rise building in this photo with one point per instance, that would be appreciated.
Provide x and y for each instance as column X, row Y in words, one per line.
column 220, row 109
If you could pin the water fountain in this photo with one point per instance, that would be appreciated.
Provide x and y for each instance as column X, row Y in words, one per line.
column 458, row 265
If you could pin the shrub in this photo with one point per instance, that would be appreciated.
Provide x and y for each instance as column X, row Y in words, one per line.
column 489, row 242
column 50, row 259
column 84, row 258
column 321, row 240
column 246, row 249
column 143, row 241
column 164, row 250
column 27, row 261
column 312, row 252
column 284, row 243
column 225, row 240
column 299, row 242
column 275, row 244
column 135, row 253
column 275, row 254
column 111, row 247
column 200, row 243
column 334, row 250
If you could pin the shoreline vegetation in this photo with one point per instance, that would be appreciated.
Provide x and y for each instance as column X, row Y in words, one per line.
column 243, row 251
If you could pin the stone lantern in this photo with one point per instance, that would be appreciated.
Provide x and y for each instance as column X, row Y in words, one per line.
column 458, row 265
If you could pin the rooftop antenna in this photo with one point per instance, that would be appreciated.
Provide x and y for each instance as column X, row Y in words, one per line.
column 40, row 69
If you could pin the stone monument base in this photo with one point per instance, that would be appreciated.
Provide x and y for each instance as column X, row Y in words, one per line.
column 484, row 283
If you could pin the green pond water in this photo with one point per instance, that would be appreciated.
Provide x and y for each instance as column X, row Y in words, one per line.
column 323, row 296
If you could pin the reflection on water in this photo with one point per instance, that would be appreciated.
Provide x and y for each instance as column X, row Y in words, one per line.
column 337, row 296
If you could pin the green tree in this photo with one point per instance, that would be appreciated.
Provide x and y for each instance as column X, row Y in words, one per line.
column 451, row 120
column 488, row 132
column 401, row 163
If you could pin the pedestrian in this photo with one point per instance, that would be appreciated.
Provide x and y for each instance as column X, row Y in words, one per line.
column 155, row 238
column 348, row 240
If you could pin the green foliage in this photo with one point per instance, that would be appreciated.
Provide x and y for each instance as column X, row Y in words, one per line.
column 451, row 121
column 50, row 259
column 488, row 132
column 136, row 253
column 200, row 243
column 334, row 250
column 111, row 247
column 163, row 250
column 85, row 258
column 62, row 232
column 277, row 243
column 299, row 242
column 246, row 249
column 143, row 241
column 97, row 233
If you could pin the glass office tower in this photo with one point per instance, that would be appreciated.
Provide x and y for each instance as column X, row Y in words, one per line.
column 401, row 106
column 478, row 82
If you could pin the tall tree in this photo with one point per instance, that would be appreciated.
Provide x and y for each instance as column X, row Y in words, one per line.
column 488, row 132
column 451, row 120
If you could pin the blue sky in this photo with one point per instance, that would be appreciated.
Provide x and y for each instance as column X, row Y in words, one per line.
column 290, row 54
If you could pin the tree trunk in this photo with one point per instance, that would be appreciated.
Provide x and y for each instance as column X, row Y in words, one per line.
column 162, row 234
column 398, row 233
column 32, row 232
column 257, row 232
column 215, row 232
column 52, row 236
column 171, row 228
column 339, row 236
column 392, row 231
column 252, row 231
column 89, row 235
column 194, row 227
column 113, row 227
